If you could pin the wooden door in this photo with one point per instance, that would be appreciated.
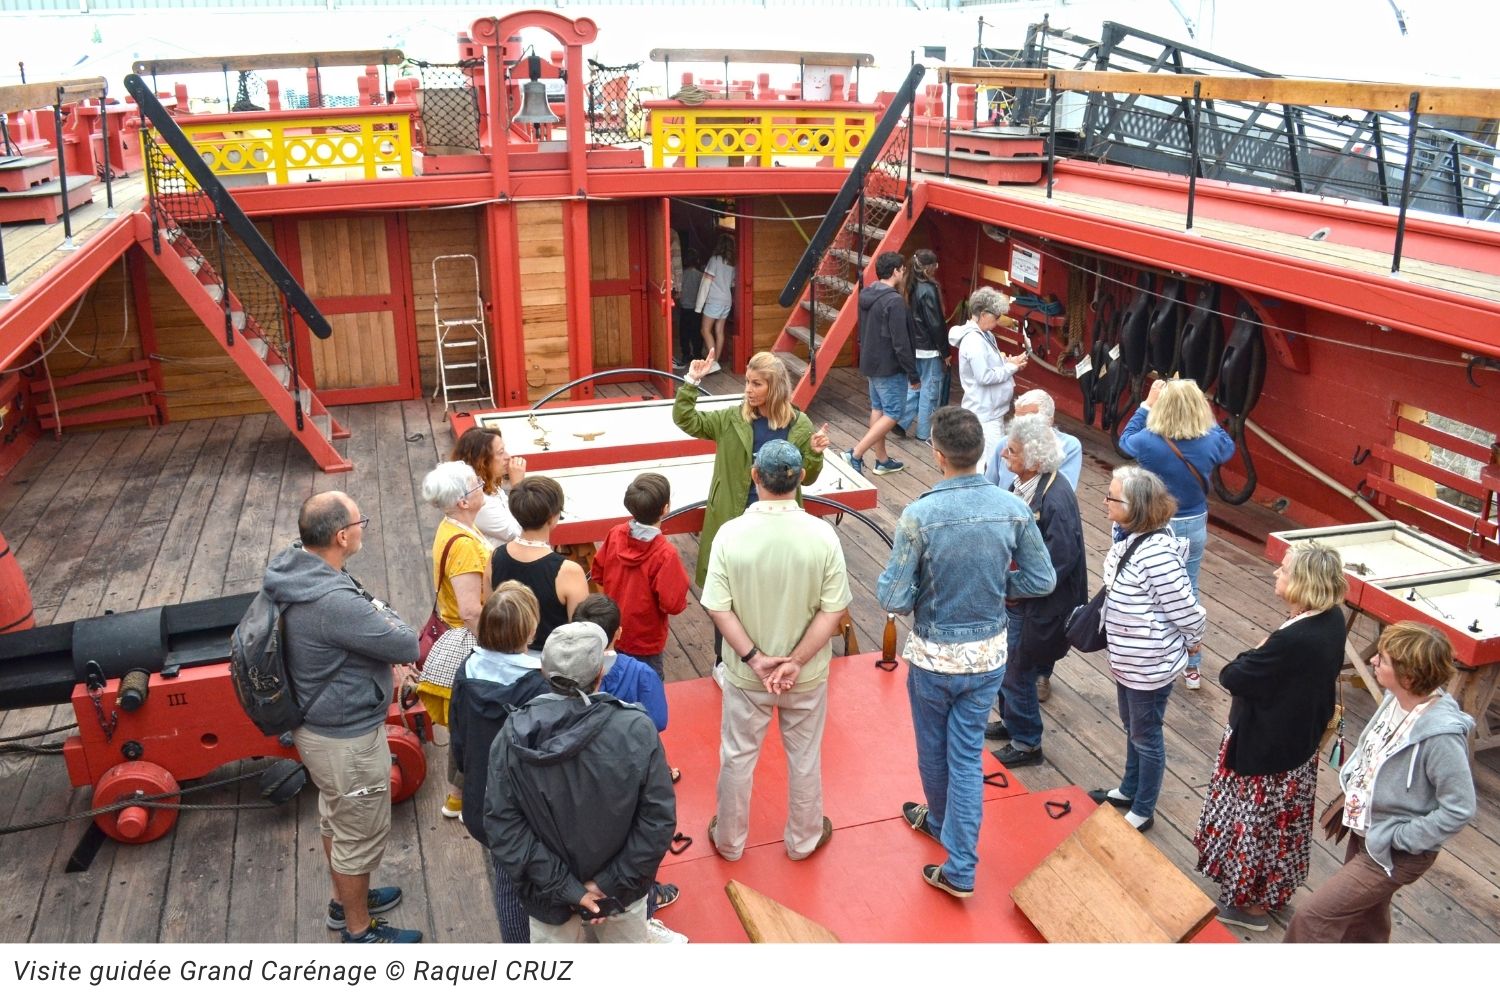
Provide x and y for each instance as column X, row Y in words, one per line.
column 616, row 285
column 659, row 319
column 355, row 268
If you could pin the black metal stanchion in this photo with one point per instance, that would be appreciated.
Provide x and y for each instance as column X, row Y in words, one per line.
column 62, row 173
column 1411, row 149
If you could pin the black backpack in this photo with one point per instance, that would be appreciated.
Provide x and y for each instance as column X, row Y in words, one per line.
column 257, row 666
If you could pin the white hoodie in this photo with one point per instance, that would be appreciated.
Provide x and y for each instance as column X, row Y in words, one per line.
column 988, row 379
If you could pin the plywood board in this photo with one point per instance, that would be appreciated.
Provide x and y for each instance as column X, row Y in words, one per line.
column 768, row 922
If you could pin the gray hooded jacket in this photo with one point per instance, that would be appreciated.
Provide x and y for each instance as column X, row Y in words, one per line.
column 335, row 635
column 1424, row 792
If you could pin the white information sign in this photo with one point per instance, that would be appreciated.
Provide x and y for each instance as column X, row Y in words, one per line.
column 1026, row 267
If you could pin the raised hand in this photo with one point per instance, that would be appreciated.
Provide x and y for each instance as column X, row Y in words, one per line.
column 698, row 370
column 819, row 440
column 515, row 469
column 1155, row 393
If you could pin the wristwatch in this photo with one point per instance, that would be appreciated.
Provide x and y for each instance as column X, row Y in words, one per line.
column 750, row 655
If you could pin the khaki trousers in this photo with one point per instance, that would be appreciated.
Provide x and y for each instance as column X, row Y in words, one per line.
column 626, row 927
column 742, row 730
column 1354, row 906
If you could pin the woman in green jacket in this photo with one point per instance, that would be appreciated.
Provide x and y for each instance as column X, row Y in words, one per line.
column 767, row 414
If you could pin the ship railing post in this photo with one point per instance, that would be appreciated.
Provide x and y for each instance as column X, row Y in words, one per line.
column 224, row 280
column 291, row 359
column 948, row 128
column 1379, row 136
column 1291, row 147
column 1052, row 132
column 109, row 172
column 1411, row 149
column 1194, row 151
column 5, row 294
column 62, row 173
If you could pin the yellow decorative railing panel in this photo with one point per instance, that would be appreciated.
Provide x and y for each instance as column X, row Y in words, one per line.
column 285, row 148
column 759, row 131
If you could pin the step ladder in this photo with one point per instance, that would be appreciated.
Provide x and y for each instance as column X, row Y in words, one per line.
column 463, row 344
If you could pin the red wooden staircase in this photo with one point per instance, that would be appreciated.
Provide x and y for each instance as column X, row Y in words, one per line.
column 263, row 355
column 827, row 312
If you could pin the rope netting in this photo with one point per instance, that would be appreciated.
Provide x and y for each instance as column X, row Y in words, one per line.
column 614, row 108
column 450, row 106
column 251, row 94
column 182, row 211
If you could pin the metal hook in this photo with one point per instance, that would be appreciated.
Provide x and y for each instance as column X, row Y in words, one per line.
column 1360, row 456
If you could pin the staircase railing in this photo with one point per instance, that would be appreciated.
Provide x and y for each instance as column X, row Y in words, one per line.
column 875, row 188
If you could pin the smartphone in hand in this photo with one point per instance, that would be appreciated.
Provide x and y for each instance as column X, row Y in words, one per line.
column 609, row 906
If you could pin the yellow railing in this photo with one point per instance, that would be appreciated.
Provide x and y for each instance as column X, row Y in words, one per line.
column 759, row 131
column 288, row 147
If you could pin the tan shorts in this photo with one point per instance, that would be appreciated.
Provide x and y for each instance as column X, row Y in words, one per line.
column 354, row 795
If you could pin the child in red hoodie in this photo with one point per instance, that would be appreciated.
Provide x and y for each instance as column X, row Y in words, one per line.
column 642, row 571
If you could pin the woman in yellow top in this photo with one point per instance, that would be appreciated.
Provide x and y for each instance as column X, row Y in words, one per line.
column 460, row 556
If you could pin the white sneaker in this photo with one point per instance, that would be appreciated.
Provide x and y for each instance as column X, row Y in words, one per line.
column 659, row 933
column 1194, row 680
column 715, row 367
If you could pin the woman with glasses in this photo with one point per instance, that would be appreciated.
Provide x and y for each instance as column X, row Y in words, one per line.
column 1153, row 622
column 459, row 557
column 1255, row 835
column 1407, row 789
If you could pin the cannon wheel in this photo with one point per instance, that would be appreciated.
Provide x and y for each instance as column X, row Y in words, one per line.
column 135, row 824
column 408, row 763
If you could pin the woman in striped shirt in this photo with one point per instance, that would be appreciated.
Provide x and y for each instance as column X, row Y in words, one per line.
column 1153, row 621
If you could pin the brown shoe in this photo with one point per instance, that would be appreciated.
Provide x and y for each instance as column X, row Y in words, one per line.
column 827, row 836
column 1043, row 688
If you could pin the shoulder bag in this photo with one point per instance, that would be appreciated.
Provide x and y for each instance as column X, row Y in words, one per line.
column 435, row 626
column 1202, row 483
column 1085, row 628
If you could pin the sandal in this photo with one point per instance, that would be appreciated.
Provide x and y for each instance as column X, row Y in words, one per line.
column 676, row 773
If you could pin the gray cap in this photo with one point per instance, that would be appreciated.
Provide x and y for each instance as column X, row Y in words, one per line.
column 574, row 652
column 777, row 458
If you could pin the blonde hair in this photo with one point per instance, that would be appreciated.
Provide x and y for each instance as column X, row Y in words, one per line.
column 1315, row 581
column 1420, row 657
column 1181, row 412
column 778, row 405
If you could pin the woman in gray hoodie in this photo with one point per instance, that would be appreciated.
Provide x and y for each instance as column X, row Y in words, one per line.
column 1406, row 789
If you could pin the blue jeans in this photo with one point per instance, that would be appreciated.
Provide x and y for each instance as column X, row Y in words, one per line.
column 948, row 713
column 921, row 402
column 1195, row 530
column 1019, row 709
column 1143, row 713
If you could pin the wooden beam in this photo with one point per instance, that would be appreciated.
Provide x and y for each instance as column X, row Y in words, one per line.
column 1475, row 102
column 271, row 60
column 768, row 922
column 779, row 57
column 43, row 94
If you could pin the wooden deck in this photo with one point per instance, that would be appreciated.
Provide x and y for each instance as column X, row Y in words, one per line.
column 31, row 248
column 136, row 518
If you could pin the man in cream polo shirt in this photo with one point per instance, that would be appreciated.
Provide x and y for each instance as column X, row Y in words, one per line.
column 776, row 589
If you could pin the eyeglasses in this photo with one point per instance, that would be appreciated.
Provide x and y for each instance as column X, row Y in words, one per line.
column 1110, row 499
column 472, row 489
column 356, row 524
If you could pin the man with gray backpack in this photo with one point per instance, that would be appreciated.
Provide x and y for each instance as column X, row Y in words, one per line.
column 338, row 645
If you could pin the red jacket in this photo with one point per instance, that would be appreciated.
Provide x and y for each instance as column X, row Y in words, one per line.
column 647, row 580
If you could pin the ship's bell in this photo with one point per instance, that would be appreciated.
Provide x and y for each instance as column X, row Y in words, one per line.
column 534, row 109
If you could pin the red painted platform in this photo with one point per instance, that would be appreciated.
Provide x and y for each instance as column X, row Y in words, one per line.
column 869, row 756
column 866, row 884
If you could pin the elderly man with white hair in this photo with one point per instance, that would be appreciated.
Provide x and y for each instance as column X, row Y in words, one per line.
column 1037, row 402
column 1035, row 632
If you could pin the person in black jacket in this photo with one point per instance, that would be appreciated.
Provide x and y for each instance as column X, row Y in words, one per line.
column 579, row 809
column 498, row 677
column 1255, row 834
column 1035, row 634
column 929, row 341
column 886, row 360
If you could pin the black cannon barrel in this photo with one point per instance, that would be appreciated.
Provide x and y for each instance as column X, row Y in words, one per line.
column 40, row 666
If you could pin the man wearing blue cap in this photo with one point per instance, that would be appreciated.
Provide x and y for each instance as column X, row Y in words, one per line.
column 776, row 589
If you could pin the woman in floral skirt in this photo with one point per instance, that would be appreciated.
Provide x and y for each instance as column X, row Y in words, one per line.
column 1254, row 837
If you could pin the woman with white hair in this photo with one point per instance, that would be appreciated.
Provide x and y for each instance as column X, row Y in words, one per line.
column 1036, row 635
column 987, row 375
column 460, row 556
column 1173, row 434
column 1153, row 620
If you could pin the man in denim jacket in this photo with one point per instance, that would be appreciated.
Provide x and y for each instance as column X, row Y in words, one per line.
column 952, row 564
